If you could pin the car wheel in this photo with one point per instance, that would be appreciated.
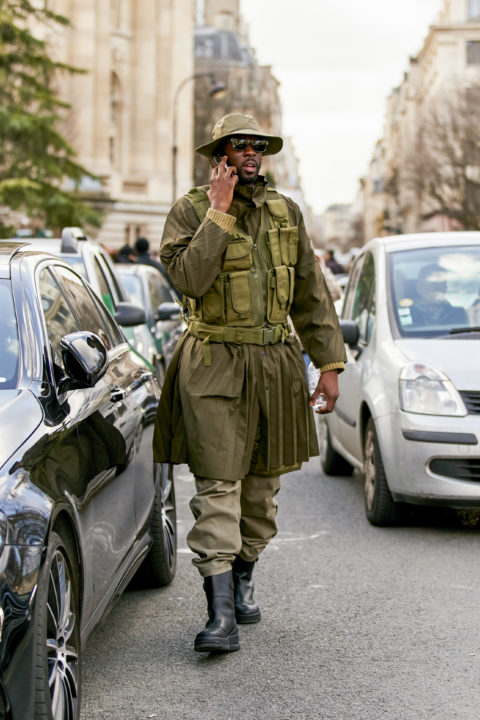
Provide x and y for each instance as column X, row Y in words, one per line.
column 332, row 463
column 159, row 566
column 57, row 633
column 380, row 507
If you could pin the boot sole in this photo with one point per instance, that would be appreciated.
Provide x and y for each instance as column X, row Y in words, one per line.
column 248, row 619
column 218, row 645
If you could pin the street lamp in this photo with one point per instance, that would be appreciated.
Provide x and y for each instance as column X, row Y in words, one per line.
column 216, row 88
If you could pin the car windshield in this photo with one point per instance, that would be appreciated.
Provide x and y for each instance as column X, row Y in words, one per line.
column 8, row 338
column 436, row 291
column 133, row 286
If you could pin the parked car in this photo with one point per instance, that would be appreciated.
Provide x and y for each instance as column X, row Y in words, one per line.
column 82, row 505
column 93, row 262
column 146, row 287
column 408, row 414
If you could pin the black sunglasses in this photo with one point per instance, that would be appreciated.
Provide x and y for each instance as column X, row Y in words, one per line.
column 242, row 144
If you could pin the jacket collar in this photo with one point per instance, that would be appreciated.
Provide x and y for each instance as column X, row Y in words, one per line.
column 254, row 196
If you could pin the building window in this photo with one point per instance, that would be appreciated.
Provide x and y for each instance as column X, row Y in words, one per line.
column 473, row 52
column 473, row 9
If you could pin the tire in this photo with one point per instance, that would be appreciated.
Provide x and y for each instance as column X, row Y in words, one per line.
column 158, row 568
column 380, row 507
column 332, row 463
column 57, row 633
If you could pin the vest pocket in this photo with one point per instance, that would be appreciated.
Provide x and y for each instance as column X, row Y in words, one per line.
column 274, row 245
column 213, row 302
column 289, row 244
column 280, row 293
column 239, row 300
column 238, row 256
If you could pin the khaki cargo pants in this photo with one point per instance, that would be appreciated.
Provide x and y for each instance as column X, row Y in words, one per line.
column 232, row 518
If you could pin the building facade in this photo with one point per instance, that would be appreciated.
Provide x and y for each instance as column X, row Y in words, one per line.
column 407, row 188
column 121, row 122
column 223, row 53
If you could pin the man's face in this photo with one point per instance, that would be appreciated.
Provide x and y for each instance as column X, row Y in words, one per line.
column 245, row 153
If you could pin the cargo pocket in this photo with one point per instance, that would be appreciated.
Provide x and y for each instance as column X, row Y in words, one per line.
column 213, row 302
column 274, row 245
column 288, row 245
column 280, row 293
column 238, row 256
column 239, row 302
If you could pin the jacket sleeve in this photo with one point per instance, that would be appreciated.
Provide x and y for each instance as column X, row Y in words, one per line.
column 192, row 251
column 313, row 313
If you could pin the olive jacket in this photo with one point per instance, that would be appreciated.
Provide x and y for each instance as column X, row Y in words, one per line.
column 233, row 408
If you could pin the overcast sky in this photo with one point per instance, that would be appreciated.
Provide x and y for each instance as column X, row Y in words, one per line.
column 337, row 61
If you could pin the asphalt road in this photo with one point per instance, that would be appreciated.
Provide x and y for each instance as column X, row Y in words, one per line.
column 359, row 623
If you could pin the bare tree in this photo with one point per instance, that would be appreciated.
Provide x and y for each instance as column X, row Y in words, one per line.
column 442, row 162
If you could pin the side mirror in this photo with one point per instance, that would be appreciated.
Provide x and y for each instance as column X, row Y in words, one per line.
column 168, row 311
column 350, row 332
column 85, row 359
column 128, row 314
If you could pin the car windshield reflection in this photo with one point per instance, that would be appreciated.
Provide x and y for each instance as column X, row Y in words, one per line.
column 436, row 291
column 8, row 338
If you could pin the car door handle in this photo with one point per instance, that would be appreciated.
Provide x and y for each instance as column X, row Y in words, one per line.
column 117, row 394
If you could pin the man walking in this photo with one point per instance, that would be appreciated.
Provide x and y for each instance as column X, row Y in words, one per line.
column 235, row 401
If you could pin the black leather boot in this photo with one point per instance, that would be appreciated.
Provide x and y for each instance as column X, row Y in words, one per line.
column 246, row 609
column 221, row 632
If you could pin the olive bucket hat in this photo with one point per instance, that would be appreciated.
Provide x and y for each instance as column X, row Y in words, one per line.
column 237, row 124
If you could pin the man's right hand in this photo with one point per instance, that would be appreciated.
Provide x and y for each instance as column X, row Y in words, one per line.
column 222, row 183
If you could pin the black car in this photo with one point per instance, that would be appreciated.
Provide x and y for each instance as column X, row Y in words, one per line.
column 82, row 505
column 93, row 263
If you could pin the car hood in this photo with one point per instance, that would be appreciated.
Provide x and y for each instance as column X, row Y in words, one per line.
column 457, row 358
column 20, row 415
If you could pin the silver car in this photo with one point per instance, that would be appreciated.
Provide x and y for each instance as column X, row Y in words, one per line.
column 408, row 415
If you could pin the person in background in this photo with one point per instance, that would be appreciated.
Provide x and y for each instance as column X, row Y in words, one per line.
column 126, row 254
column 235, row 401
column 332, row 264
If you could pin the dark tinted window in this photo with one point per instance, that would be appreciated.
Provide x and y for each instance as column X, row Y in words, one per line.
column 8, row 338
column 84, row 306
column 59, row 318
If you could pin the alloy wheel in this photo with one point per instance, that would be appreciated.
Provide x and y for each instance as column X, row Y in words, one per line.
column 62, row 639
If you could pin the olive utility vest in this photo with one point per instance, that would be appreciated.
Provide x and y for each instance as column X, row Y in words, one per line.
column 250, row 300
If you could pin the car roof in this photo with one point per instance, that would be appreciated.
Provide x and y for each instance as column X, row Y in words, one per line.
column 8, row 248
column 410, row 241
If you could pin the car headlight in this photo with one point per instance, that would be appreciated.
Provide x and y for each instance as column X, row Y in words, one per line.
column 428, row 391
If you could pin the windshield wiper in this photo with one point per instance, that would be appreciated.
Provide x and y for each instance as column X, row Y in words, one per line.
column 464, row 330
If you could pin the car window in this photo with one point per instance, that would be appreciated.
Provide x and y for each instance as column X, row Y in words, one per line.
column 363, row 311
column 360, row 300
column 59, row 318
column 105, row 291
column 84, row 306
column 158, row 290
column 435, row 290
column 8, row 338
column 133, row 285
column 112, row 280
column 352, row 288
